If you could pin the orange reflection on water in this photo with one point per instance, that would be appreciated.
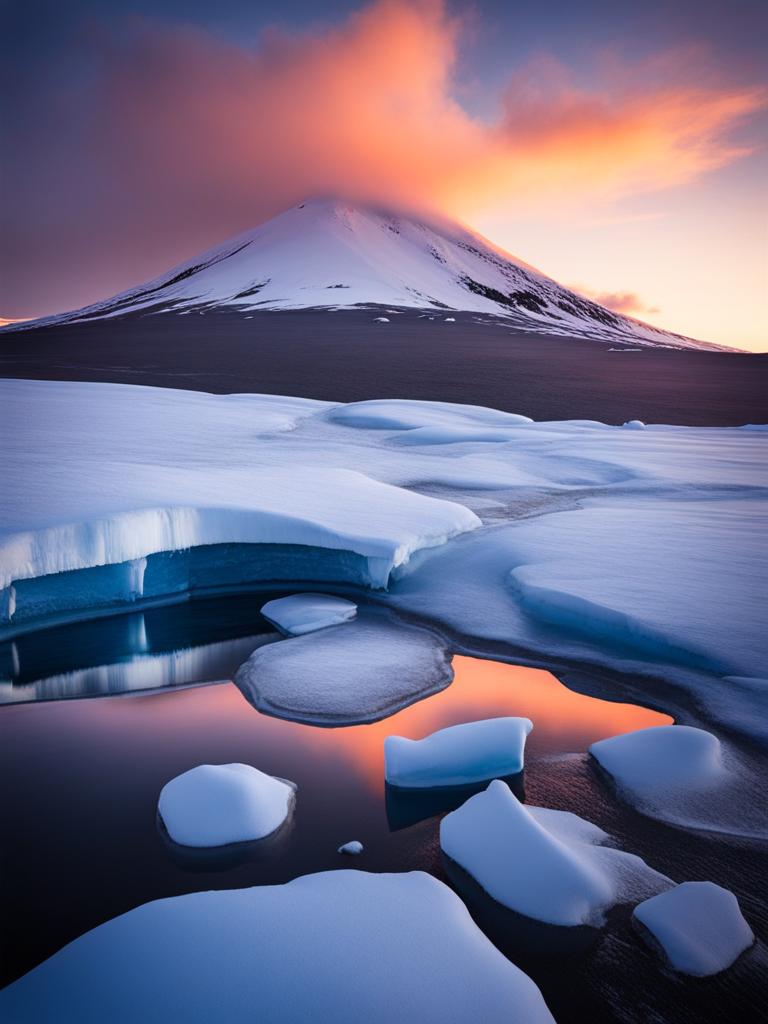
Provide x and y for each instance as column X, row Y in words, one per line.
column 564, row 721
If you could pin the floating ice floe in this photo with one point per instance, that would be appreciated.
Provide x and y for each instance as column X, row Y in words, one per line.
column 340, row 946
column 634, row 425
column 361, row 671
column 217, row 804
column 353, row 847
column 697, row 927
column 664, row 769
column 543, row 864
column 459, row 755
column 381, row 319
column 304, row 613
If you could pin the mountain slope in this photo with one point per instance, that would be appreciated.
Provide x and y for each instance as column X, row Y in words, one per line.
column 329, row 254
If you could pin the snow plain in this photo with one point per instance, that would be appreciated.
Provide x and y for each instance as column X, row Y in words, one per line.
column 218, row 804
column 459, row 755
column 340, row 946
column 546, row 865
column 638, row 551
column 698, row 927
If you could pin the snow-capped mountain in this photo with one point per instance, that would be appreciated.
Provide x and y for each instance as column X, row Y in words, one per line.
column 326, row 253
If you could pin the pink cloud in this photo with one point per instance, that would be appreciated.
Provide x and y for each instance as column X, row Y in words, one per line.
column 177, row 140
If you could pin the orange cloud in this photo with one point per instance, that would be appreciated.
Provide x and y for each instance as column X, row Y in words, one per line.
column 621, row 302
column 179, row 139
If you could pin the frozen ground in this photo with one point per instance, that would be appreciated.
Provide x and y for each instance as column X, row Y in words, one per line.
column 639, row 552
column 340, row 946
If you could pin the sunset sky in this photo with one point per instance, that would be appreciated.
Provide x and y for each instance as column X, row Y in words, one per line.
column 621, row 148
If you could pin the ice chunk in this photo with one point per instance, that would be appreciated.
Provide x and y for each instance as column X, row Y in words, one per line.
column 381, row 319
column 304, row 613
column 353, row 847
column 341, row 946
column 216, row 804
column 658, row 768
column 634, row 425
column 361, row 671
column 698, row 927
column 458, row 755
column 541, row 863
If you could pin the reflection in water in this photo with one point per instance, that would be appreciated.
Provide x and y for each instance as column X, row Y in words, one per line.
column 195, row 641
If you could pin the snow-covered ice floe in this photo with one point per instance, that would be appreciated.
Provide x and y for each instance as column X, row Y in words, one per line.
column 697, row 927
column 672, row 772
column 340, row 946
column 546, row 865
column 459, row 755
column 357, row 672
column 304, row 613
column 218, row 804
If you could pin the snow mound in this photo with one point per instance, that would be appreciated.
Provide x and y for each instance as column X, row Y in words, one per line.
column 461, row 754
column 304, row 613
column 359, row 672
column 698, row 927
column 541, row 863
column 402, row 414
column 354, row 847
column 340, row 946
column 217, row 804
column 660, row 768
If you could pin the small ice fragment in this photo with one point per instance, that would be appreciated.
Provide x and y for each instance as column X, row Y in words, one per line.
column 698, row 926
column 304, row 613
column 634, row 425
column 353, row 847
column 450, row 319
column 381, row 320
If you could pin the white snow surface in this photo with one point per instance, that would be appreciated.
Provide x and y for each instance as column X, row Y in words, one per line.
column 217, row 804
column 639, row 550
column 671, row 772
column 360, row 671
column 461, row 754
column 697, row 926
column 112, row 474
column 331, row 254
column 544, row 864
column 304, row 613
column 340, row 946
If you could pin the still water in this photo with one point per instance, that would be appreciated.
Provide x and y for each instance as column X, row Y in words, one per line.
column 80, row 777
